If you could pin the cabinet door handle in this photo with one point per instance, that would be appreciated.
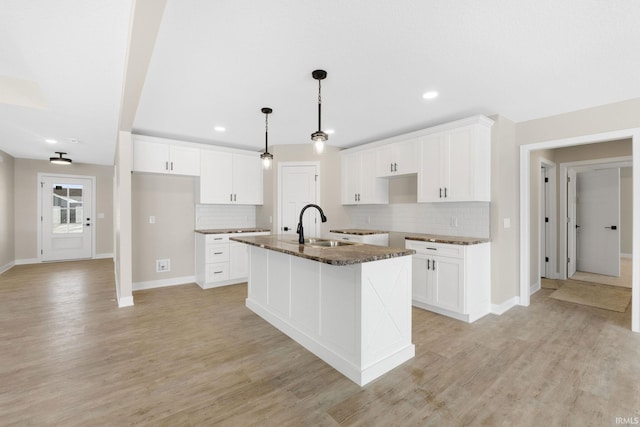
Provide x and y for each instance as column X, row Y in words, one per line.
column 358, row 196
column 166, row 165
column 217, row 272
column 390, row 167
column 234, row 197
column 355, row 197
column 441, row 193
column 171, row 165
column 433, row 265
column 218, row 253
column 445, row 192
column 395, row 167
column 231, row 197
column 428, row 264
column 431, row 249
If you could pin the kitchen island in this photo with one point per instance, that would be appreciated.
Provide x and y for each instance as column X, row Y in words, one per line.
column 347, row 303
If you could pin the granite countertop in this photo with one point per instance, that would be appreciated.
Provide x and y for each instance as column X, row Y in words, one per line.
column 355, row 253
column 232, row 230
column 452, row 240
column 358, row 231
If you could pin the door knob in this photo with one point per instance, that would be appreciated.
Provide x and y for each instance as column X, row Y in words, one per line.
column 286, row 228
column 613, row 227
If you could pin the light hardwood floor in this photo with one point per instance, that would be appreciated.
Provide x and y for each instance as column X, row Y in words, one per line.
column 185, row 356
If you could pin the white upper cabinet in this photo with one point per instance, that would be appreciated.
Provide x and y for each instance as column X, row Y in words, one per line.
column 455, row 165
column 359, row 182
column 165, row 157
column 452, row 162
column 399, row 158
column 230, row 178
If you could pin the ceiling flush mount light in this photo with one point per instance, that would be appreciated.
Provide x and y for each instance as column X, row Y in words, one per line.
column 319, row 137
column 60, row 160
column 430, row 95
column 266, row 157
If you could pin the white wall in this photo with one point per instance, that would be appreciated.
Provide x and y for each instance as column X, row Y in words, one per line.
column 7, row 218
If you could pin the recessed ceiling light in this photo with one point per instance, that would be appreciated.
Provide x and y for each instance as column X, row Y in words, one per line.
column 51, row 141
column 330, row 131
column 430, row 95
column 73, row 140
column 219, row 129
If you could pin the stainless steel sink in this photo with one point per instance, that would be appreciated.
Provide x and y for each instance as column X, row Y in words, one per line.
column 323, row 243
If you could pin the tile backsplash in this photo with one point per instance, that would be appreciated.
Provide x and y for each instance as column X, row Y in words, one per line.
column 225, row 216
column 469, row 219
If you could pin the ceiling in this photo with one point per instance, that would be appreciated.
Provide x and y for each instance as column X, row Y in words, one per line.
column 218, row 63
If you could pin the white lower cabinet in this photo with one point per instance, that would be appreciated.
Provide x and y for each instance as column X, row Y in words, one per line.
column 221, row 262
column 380, row 239
column 453, row 280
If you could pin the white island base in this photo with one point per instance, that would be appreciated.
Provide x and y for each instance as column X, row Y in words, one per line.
column 357, row 317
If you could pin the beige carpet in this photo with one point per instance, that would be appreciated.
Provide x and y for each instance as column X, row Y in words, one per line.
column 612, row 298
column 550, row 283
column 624, row 280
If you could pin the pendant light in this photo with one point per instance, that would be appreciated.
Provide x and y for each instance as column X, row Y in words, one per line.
column 266, row 157
column 60, row 160
column 319, row 137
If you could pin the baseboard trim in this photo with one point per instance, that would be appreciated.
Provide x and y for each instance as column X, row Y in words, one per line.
column 535, row 287
column 103, row 256
column 125, row 302
column 151, row 284
column 28, row 261
column 7, row 266
column 500, row 309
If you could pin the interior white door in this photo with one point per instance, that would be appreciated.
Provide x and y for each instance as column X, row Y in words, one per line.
column 67, row 213
column 298, row 188
column 598, row 220
column 543, row 222
column 571, row 222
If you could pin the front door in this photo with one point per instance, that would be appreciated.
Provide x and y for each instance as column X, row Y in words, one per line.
column 298, row 188
column 66, row 206
column 598, row 220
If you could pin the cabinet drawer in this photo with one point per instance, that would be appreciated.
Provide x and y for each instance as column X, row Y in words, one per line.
column 217, row 253
column 439, row 249
column 217, row 238
column 217, row 272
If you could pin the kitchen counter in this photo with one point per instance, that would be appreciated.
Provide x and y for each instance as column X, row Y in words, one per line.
column 355, row 253
column 358, row 231
column 233, row 230
column 451, row 240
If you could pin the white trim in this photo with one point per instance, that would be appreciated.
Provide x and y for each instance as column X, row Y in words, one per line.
column 282, row 165
column 27, row 261
column 525, row 217
column 41, row 176
column 6, row 267
column 151, row 284
column 125, row 302
column 535, row 287
column 103, row 256
column 500, row 309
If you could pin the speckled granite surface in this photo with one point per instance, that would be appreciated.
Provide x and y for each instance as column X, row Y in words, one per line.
column 232, row 230
column 356, row 253
column 358, row 231
column 452, row 240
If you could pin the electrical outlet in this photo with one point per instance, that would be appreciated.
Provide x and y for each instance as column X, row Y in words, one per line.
column 152, row 219
column 163, row 265
column 454, row 221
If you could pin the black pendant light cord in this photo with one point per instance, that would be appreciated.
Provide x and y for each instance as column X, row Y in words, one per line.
column 319, row 105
